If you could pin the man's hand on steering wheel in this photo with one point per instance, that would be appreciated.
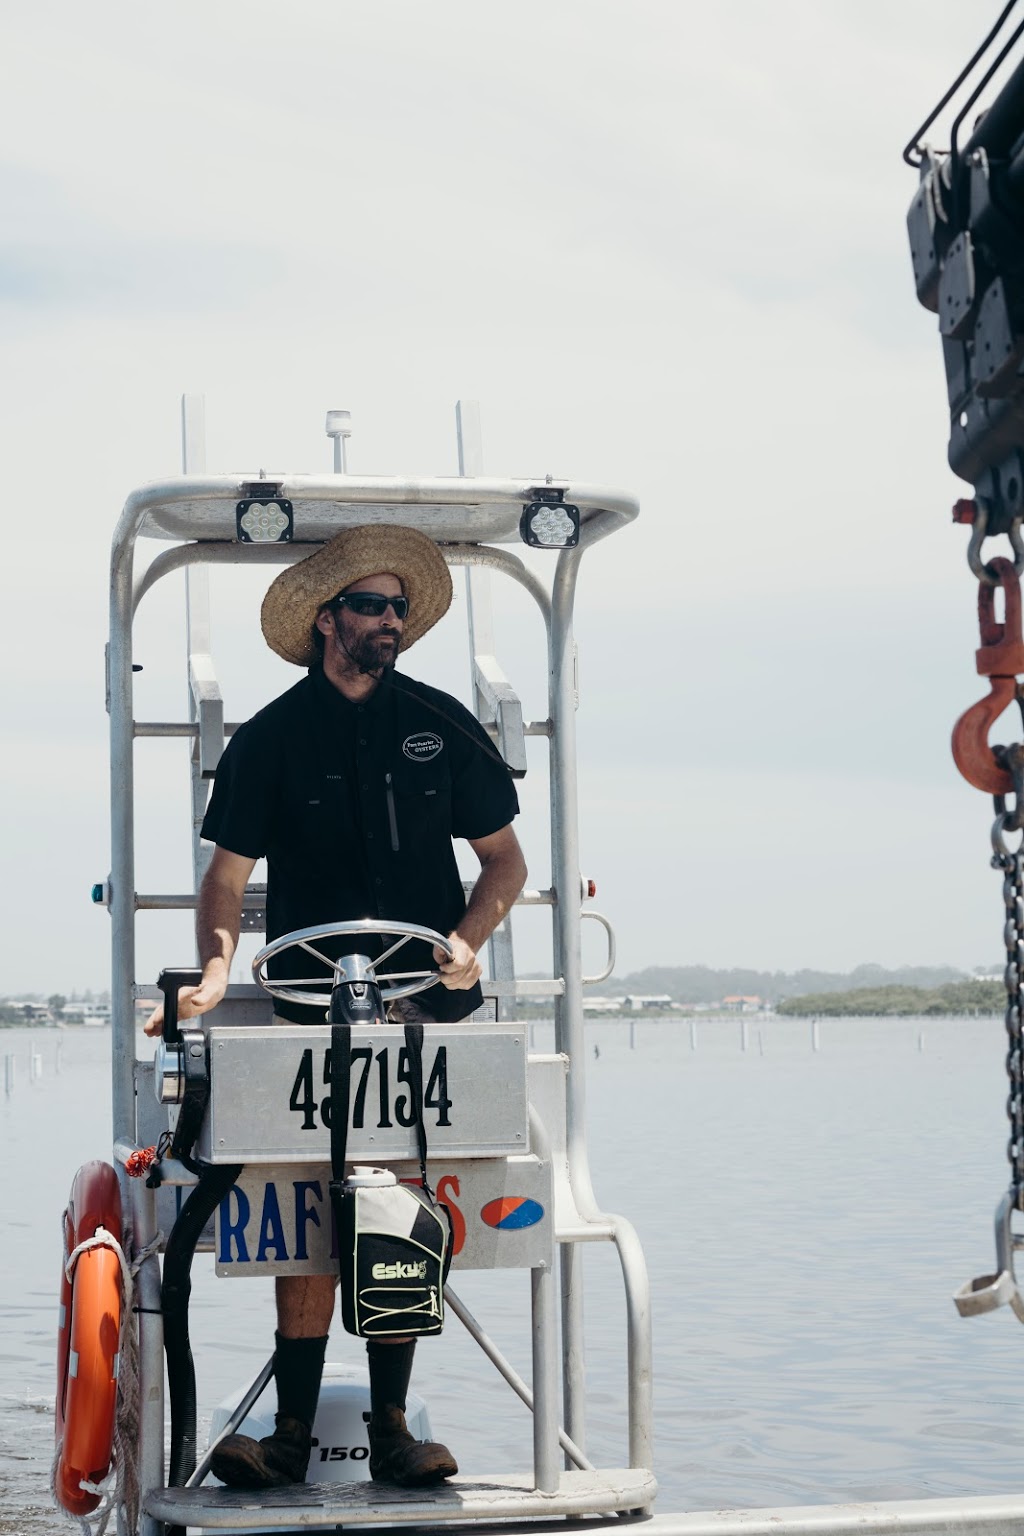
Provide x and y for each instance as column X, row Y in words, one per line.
column 460, row 972
column 194, row 1000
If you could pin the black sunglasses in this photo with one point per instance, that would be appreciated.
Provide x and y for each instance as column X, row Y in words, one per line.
column 371, row 605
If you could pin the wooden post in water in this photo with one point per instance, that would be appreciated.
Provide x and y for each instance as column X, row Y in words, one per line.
column 9, row 1073
column 815, row 1040
column 693, row 1034
column 743, row 1034
column 632, row 1034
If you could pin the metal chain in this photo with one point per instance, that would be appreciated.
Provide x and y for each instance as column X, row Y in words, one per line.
column 1012, row 865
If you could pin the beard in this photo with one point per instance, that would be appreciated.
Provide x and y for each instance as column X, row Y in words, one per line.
column 371, row 653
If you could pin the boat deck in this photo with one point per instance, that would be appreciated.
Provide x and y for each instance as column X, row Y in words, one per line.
column 323, row 1506
column 477, row 1501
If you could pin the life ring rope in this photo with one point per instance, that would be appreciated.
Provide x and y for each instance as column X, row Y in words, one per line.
column 101, row 1239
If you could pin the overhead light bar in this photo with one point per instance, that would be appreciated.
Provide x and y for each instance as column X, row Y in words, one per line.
column 548, row 522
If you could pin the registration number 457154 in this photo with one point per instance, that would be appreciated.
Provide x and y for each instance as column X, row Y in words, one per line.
column 381, row 1089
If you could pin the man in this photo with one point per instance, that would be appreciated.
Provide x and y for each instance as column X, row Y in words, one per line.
column 352, row 785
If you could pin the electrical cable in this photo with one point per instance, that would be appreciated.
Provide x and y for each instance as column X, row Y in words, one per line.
column 913, row 146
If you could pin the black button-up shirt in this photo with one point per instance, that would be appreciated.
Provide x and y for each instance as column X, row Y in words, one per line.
column 355, row 807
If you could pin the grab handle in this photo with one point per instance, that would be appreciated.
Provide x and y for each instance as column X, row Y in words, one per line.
column 169, row 983
column 599, row 917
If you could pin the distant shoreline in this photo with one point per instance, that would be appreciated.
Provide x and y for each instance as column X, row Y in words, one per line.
column 982, row 999
column 677, row 993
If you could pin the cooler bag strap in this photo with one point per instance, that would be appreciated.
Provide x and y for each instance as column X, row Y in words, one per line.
column 341, row 1087
column 414, row 1045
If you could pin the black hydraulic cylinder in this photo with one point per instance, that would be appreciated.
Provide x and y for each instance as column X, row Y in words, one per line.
column 1003, row 122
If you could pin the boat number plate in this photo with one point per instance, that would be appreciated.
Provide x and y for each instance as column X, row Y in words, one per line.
column 380, row 1091
column 270, row 1093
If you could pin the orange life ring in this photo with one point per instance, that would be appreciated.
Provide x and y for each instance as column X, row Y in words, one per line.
column 89, row 1330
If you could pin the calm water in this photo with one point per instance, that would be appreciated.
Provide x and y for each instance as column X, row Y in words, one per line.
column 806, row 1216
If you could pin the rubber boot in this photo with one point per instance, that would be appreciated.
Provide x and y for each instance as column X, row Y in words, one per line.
column 280, row 1458
column 395, row 1457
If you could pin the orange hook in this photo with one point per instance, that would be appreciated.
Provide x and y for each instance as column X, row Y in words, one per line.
column 1001, row 659
column 971, row 751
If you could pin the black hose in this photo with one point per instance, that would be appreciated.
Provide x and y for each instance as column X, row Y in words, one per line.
column 214, row 1183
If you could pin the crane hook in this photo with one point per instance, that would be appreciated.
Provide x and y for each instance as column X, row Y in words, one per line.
column 1000, row 658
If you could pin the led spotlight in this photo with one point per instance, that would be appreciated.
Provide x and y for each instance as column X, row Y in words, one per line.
column 550, row 524
column 264, row 521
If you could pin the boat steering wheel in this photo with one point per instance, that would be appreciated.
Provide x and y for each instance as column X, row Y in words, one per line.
column 351, row 967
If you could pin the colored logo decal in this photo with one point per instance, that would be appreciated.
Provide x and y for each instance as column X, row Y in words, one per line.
column 511, row 1212
column 422, row 747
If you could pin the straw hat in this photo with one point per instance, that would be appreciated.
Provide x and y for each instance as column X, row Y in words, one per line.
column 297, row 595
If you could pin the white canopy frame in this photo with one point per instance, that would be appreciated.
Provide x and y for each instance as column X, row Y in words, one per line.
column 471, row 518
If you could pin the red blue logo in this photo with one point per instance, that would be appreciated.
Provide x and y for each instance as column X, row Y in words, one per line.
column 509, row 1213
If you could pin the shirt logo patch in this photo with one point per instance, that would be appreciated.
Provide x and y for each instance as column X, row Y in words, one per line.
column 423, row 746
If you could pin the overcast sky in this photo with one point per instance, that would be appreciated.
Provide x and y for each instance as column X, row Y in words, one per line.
column 663, row 244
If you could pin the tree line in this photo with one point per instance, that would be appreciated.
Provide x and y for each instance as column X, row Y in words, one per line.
column 956, row 997
column 704, row 984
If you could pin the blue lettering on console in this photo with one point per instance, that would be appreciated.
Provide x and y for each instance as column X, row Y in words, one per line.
column 305, row 1213
column 233, row 1229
